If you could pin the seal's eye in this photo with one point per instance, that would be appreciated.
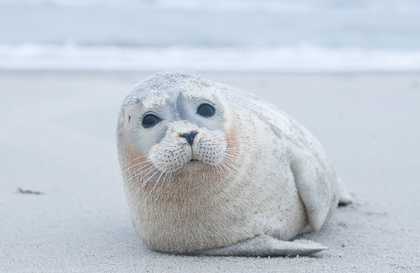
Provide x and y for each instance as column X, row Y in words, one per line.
column 150, row 121
column 206, row 110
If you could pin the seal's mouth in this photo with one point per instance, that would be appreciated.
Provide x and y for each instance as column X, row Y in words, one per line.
column 193, row 161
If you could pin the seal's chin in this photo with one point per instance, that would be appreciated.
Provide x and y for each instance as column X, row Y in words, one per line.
column 194, row 165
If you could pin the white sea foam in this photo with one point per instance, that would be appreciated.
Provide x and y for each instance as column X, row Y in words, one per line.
column 240, row 35
column 286, row 59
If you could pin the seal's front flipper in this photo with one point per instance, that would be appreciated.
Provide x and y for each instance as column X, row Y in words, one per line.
column 264, row 246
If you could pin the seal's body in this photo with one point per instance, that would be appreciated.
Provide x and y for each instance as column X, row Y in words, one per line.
column 210, row 169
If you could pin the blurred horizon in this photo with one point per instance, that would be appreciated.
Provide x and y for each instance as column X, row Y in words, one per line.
column 230, row 35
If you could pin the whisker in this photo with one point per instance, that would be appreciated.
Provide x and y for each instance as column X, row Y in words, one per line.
column 156, row 182
column 230, row 156
column 163, row 182
column 134, row 159
column 137, row 174
column 140, row 164
column 222, row 170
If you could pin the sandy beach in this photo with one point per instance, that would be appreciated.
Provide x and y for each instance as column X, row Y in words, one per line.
column 63, row 209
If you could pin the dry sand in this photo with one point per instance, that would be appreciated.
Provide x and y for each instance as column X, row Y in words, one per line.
column 58, row 138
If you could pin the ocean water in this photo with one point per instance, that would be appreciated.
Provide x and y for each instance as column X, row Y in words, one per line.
column 211, row 35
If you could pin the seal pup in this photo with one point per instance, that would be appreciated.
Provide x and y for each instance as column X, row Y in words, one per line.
column 211, row 169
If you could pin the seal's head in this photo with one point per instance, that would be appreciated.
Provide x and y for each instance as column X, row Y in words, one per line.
column 174, row 124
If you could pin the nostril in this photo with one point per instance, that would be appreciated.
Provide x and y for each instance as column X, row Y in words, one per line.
column 189, row 136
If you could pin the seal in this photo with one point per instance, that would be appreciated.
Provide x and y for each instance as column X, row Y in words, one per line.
column 211, row 169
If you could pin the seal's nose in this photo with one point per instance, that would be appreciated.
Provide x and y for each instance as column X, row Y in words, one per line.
column 189, row 136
